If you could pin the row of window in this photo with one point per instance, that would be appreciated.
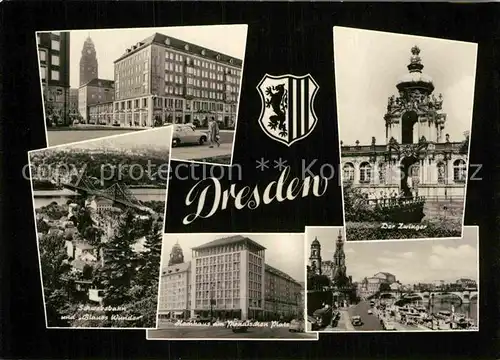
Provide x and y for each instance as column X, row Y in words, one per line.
column 220, row 250
column 174, row 104
column 54, row 59
column 54, row 74
column 218, row 268
column 195, row 62
column 219, row 259
column 228, row 304
column 366, row 172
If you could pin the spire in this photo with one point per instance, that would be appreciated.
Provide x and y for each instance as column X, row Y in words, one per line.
column 339, row 237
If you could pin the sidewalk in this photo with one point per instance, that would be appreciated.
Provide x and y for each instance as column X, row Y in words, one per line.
column 201, row 151
column 344, row 323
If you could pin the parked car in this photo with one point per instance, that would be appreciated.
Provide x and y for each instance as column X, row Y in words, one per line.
column 370, row 312
column 356, row 320
column 296, row 326
column 186, row 134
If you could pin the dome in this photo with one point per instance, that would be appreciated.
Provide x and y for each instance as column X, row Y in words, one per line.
column 315, row 242
column 415, row 77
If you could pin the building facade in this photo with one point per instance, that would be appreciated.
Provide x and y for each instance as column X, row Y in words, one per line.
column 165, row 80
column 228, row 278
column 53, row 52
column 282, row 295
column 89, row 69
column 175, row 291
column 74, row 112
column 96, row 92
column 101, row 113
column 417, row 156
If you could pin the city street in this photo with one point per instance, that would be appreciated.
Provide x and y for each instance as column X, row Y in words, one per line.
column 195, row 151
column 210, row 332
column 370, row 322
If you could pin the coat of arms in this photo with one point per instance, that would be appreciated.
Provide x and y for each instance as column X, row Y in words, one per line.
column 287, row 112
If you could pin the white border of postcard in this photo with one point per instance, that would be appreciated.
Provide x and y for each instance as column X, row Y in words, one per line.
column 35, row 221
column 334, row 230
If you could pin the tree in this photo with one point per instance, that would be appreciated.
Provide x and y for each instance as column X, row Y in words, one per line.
column 55, row 268
column 118, row 270
column 84, row 220
column 317, row 282
column 384, row 287
column 42, row 226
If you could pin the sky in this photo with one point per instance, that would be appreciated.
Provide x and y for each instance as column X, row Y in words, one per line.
column 411, row 261
column 368, row 65
column 156, row 138
column 283, row 251
column 111, row 44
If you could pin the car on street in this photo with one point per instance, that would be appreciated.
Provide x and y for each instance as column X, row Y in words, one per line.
column 187, row 134
column 356, row 320
column 370, row 312
column 296, row 326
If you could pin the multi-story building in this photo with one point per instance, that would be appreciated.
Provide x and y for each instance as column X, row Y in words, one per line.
column 227, row 278
column 282, row 295
column 53, row 50
column 166, row 80
column 94, row 92
column 88, row 62
column 175, row 291
column 101, row 113
column 385, row 277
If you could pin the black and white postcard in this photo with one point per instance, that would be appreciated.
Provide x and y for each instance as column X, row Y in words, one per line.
column 232, row 287
column 405, row 175
column 99, row 208
column 97, row 83
column 375, row 286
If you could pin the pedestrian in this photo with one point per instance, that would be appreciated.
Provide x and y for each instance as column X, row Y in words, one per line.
column 213, row 132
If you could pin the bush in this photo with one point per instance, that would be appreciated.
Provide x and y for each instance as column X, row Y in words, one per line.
column 437, row 228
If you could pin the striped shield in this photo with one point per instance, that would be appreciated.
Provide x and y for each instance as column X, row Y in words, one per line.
column 287, row 113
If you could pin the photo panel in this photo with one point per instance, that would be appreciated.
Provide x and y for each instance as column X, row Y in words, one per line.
column 98, row 83
column 232, row 287
column 377, row 286
column 99, row 210
column 405, row 176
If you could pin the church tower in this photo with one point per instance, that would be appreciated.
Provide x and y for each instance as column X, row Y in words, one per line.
column 315, row 257
column 339, row 267
column 176, row 255
column 88, row 62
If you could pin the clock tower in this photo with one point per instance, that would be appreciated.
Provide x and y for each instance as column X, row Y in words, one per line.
column 88, row 62
column 315, row 257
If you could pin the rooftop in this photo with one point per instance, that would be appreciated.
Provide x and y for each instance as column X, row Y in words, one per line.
column 229, row 240
column 177, row 268
column 104, row 83
column 181, row 45
column 280, row 273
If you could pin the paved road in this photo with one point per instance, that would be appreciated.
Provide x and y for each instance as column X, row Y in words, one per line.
column 370, row 322
column 208, row 332
column 195, row 151
column 60, row 137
